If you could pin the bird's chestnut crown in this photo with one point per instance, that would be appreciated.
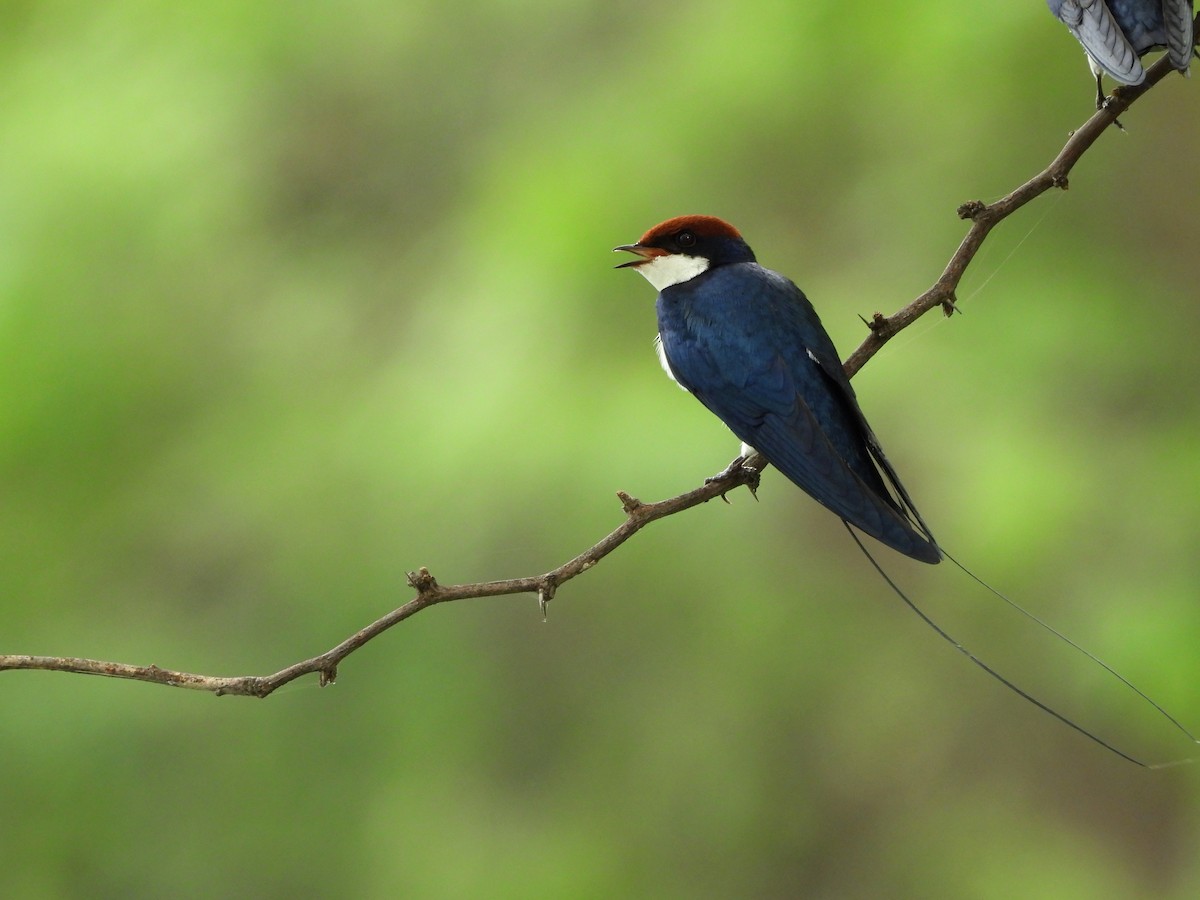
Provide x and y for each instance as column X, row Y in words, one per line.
column 705, row 236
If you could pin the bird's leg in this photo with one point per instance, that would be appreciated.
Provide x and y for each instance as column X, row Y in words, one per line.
column 1102, row 102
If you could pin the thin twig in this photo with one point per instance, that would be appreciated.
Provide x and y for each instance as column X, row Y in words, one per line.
column 984, row 217
column 637, row 514
column 429, row 593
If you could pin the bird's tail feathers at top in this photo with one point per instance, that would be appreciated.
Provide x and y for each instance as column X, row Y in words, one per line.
column 1021, row 692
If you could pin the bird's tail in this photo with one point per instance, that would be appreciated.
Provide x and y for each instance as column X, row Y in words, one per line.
column 1012, row 686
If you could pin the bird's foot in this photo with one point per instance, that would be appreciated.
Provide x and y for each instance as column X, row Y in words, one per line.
column 749, row 475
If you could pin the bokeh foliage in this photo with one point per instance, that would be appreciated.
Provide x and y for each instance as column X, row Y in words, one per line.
column 296, row 297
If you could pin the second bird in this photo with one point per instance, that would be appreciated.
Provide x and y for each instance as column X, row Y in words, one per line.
column 747, row 344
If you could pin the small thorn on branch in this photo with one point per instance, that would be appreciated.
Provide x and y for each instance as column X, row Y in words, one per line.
column 546, row 593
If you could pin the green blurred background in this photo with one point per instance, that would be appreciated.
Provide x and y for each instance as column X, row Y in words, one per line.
column 297, row 297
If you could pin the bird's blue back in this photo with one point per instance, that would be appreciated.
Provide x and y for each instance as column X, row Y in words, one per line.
column 748, row 344
column 1141, row 21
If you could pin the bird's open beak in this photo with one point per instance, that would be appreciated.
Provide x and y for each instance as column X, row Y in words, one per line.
column 645, row 254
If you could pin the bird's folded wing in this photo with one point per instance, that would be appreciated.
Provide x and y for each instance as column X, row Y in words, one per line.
column 1094, row 26
column 768, row 412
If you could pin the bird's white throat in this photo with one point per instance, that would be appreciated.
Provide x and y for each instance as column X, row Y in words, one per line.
column 674, row 268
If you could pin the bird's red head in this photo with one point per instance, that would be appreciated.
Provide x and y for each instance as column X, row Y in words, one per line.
column 681, row 248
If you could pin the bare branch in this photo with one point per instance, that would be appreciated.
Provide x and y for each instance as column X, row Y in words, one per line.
column 637, row 514
column 429, row 593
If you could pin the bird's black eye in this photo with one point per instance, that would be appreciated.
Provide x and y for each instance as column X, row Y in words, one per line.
column 685, row 239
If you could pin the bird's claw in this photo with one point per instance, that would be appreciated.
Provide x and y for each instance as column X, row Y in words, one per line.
column 738, row 467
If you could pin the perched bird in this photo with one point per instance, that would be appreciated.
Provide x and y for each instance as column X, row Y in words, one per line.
column 1117, row 32
column 747, row 344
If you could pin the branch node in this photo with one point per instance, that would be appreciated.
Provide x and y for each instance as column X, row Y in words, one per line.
column 879, row 323
column 971, row 209
column 1060, row 181
column 422, row 581
column 629, row 504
